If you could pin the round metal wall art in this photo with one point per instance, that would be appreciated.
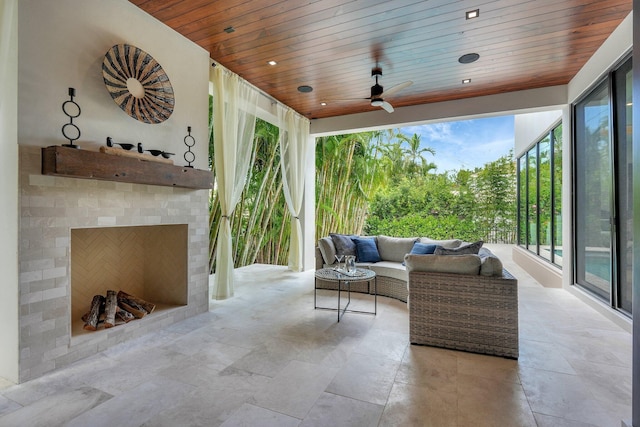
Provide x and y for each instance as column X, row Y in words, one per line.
column 138, row 84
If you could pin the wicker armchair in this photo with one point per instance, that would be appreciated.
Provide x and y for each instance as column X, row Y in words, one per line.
column 464, row 312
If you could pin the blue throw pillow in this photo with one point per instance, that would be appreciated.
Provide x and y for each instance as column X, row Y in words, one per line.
column 423, row 248
column 366, row 249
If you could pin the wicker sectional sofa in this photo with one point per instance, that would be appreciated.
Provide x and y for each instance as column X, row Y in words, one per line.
column 464, row 302
column 470, row 312
column 391, row 274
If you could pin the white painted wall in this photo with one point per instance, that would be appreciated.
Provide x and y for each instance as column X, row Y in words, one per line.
column 529, row 128
column 9, row 189
column 62, row 44
column 308, row 214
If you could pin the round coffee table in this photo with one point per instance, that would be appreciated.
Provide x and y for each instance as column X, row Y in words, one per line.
column 343, row 278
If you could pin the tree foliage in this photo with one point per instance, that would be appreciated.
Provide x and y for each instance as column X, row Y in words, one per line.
column 406, row 198
column 348, row 172
column 258, row 221
column 469, row 205
column 380, row 182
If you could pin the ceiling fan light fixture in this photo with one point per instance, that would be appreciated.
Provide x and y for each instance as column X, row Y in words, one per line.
column 376, row 102
column 468, row 58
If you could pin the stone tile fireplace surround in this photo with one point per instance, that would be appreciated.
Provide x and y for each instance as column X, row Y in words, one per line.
column 51, row 207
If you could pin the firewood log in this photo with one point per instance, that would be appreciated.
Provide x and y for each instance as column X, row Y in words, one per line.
column 110, row 307
column 138, row 313
column 147, row 306
column 91, row 324
column 124, row 315
column 86, row 316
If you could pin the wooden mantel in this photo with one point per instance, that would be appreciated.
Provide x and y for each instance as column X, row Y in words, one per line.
column 76, row 163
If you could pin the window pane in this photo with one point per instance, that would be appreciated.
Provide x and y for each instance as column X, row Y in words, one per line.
column 532, row 214
column 593, row 192
column 624, row 183
column 544, row 197
column 522, row 202
column 557, row 194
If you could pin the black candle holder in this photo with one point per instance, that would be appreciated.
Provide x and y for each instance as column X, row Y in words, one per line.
column 189, row 141
column 72, row 110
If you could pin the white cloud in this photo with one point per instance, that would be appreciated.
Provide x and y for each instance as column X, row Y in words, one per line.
column 466, row 144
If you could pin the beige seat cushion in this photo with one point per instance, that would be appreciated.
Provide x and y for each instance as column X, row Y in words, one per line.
column 458, row 264
column 390, row 269
column 394, row 248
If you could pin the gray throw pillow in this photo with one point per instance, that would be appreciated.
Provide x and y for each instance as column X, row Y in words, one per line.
column 327, row 249
column 470, row 249
column 394, row 248
column 449, row 244
column 343, row 243
column 490, row 264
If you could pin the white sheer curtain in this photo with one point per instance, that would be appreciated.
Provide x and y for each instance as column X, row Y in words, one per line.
column 294, row 135
column 7, row 25
column 234, row 121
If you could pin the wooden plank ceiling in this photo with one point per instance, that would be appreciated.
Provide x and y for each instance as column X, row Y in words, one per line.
column 332, row 45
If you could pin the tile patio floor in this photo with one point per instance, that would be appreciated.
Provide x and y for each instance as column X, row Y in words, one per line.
column 266, row 358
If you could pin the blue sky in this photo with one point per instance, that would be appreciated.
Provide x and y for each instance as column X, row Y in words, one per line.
column 465, row 144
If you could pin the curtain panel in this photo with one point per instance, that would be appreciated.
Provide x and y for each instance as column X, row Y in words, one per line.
column 234, row 121
column 294, row 135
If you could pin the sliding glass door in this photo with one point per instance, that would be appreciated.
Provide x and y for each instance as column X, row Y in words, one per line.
column 603, row 203
column 594, row 190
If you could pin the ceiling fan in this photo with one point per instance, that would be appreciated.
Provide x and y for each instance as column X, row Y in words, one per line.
column 378, row 93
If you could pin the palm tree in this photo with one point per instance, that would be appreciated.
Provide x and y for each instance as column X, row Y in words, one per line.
column 415, row 162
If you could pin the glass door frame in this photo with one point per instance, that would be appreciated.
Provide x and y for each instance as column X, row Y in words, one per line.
column 615, row 238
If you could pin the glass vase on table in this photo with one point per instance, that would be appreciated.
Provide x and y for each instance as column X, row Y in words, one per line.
column 350, row 264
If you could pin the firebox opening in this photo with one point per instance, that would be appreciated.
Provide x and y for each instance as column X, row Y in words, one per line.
column 150, row 262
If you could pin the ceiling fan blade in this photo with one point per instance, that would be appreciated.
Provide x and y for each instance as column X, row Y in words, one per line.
column 387, row 107
column 396, row 88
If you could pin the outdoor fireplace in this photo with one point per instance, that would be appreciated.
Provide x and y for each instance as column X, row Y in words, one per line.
column 151, row 241
column 149, row 262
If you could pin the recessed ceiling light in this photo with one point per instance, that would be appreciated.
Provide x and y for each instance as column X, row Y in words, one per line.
column 229, row 30
column 272, row 62
column 466, row 81
column 472, row 13
column 323, row 103
column 305, row 89
column 468, row 58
